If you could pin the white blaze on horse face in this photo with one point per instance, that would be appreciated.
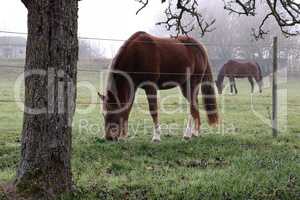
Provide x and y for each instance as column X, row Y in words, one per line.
column 156, row 133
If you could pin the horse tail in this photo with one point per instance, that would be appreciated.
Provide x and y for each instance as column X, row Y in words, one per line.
column 209, row 96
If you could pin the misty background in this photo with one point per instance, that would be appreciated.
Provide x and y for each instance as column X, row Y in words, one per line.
column 106, row 29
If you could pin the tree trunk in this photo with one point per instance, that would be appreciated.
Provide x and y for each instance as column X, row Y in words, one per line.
column 50, row 92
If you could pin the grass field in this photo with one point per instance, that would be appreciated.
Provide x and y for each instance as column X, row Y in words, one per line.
column 238, row 160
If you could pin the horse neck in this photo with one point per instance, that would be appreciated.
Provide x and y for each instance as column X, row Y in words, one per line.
column 119, row 92
column 260, row 75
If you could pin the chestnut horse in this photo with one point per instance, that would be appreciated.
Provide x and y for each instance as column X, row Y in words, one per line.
column 153, row 63
column 236, row 69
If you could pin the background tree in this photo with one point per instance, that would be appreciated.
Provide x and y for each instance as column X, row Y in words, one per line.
column 285, row 12
column 90, row 51
column 233, row 36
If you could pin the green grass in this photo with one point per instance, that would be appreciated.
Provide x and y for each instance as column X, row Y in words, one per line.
column 240, row 160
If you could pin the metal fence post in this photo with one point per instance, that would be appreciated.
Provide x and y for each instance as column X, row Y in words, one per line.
column 274, row 89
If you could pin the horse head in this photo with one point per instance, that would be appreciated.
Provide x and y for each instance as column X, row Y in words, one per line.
column 220, row 86
column 113, row 121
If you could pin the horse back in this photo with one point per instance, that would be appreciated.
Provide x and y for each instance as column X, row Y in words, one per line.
column 160, row 60
column 239, row 69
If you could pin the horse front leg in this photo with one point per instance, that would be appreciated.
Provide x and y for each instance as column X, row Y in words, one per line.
column 231, row 82
column 151, row 93
column 234, row 85
column 260, row 84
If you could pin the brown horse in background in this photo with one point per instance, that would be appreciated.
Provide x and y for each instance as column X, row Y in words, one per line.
column 153, row 63
column 236, row 69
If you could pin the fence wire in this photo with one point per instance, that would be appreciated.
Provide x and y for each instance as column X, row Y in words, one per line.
column 21, row 67
column 164, row 104
column 123, row 40
column 266, row 45
column 107, row 70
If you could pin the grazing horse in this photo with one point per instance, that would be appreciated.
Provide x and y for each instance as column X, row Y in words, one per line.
column 152, row 63
column 235, row 69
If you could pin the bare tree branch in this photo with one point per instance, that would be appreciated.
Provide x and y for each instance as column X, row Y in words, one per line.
column 175, row 18
column 176, row 13
column 285, row 12
column 144, row 4
column 239, row 7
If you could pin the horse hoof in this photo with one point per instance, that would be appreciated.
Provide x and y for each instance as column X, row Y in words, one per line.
column 156, row 140
column 196, row 135
column 168, row 135
column 122, row 139
column 110, row 138
column 186, row 137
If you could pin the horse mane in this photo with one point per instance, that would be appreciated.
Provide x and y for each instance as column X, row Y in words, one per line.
column 123, row 48
column 191, row 42
column 117, row 60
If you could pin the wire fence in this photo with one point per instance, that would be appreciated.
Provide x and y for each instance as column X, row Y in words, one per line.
column 123, row 40
column 164, row 104
column 242, row 107
column 108, row 70
column 262, row 45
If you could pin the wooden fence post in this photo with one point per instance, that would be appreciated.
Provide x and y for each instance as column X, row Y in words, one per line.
column 274, row 89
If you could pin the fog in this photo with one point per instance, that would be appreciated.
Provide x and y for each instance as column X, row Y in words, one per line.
column 116, row 19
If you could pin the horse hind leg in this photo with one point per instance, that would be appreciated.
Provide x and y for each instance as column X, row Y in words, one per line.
column 191, row 95
column 151, row 93
column 252, row 84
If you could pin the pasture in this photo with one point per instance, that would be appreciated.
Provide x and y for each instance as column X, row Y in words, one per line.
column 239, row 160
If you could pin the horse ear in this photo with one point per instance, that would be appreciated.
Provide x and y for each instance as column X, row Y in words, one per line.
column 101, row 96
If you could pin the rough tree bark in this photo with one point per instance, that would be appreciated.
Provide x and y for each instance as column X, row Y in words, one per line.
column 44, row 171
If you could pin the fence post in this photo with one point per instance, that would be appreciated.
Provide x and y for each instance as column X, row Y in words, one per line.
column 274, row 89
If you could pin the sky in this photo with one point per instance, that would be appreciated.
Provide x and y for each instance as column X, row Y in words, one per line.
column 97, row 18
column 114, row 19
